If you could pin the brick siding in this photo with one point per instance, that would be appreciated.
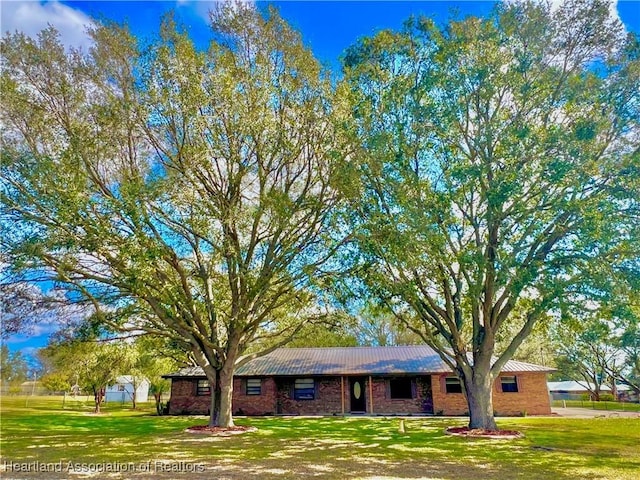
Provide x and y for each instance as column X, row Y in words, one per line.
column 532, row 397
column 428, row 392
column 326, row 402
column 383, row 403
column 263, row 404
column 184, row 399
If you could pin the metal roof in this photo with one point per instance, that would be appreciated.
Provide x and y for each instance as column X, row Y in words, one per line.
column 573, row 386
column 416, row 359
column 186, row 372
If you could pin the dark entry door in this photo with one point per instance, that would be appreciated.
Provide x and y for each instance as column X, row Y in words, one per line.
column 358, row 399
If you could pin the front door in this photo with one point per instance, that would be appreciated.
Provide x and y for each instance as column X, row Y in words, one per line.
column 358, row 400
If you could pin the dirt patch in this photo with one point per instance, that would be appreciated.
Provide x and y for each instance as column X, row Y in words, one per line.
column 220, row 431
column 483, row 433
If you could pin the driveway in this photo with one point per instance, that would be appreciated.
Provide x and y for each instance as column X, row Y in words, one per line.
column 590, row 413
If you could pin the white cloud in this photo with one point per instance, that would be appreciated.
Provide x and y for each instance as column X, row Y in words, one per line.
column 613, row 8
column 555, row 4
column 30, row 351
column 27, row 312
column 32, row 17
column 203, row 7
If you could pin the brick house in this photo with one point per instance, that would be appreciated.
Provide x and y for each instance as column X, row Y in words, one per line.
column 358, row 380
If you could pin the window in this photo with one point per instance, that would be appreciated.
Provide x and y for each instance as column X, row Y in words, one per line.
column 304, row 389
column 203, row 388
column 400, row 388
column 254, row 386
column 121, row 388
column 453, row 385
column 509, row 384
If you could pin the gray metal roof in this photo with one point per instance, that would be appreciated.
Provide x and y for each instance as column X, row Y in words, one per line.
column 416, row 359
column 187, row 372
column 573, row 386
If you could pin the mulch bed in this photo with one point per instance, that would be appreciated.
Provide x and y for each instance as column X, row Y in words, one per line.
column 220, row 431
column 482, row 433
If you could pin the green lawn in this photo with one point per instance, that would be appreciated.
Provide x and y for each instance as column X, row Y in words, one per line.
column 558, row 448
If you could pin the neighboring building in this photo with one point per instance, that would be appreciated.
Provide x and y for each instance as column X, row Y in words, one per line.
column 572, row 390
column 122, row 390
column 31, row 387
column 627, row 394
column 354, row 380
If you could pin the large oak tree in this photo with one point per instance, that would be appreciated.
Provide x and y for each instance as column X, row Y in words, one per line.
column 180, row 192
column 492, row 170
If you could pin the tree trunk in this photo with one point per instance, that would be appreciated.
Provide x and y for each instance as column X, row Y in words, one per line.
column 158, row 397
column 614, row 390
column 480, row 400
column 97, row 397
column 133, row 397
column 226, row 398
column 214, row 408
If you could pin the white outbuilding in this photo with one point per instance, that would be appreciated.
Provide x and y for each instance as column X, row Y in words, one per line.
column 122, row 390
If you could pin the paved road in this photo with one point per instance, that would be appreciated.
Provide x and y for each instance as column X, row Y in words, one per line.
column 590, row 413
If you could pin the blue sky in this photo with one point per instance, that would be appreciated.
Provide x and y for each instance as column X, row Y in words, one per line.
column 327, row 27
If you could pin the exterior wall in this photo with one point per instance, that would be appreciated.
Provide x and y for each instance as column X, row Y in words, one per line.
column 263, row 404
column 429, row 397
column 277, row 398
column 184, row 400
column 628, row 396
column 327, row 399
column 383, row 403
column 447, row 403
column 113, row 394
column 622, row 396
column 531, row 398
column 564, row 395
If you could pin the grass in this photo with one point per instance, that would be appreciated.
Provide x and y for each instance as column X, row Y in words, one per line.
column 325, row 448
column 622, row 406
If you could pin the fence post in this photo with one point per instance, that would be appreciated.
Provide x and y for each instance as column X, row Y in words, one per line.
column 33, row 389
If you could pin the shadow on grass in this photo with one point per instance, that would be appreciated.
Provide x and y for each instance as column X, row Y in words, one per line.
column 329, row 447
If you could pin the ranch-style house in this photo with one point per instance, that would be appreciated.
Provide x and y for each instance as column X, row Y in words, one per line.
column 358, row 380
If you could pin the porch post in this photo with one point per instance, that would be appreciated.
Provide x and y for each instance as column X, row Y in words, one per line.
column 342, row 393
column 371, row 394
